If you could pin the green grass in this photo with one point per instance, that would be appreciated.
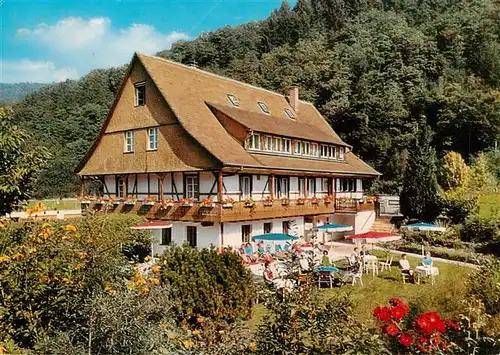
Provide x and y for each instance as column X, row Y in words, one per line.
column 51, row 205
column 489, row 204
column 445, row 296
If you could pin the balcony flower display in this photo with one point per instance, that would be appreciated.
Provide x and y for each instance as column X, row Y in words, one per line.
column 113, row 201
column 285, row 201
column 85, row 200
column 328, row 199
column 315, row 200
column 149, row 201
column 301, row 201
column 228, row 203
column 101, row 200
column 249, row 203
column 371, row 199
column 166, row 202
column 207, row 203
column 186, row 202
column 130, row 200
column 268, row 201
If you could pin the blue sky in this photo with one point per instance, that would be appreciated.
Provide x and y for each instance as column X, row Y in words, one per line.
column 52, row 40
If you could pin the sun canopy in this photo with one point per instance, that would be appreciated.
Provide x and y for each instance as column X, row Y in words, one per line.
column 374, row 237
column 421, row 226
column 274, row 237
column 333, row 227
column 152, row 225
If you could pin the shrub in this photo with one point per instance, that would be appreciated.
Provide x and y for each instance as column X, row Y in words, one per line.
column 484, row 284
column 47, row 271
column 207, row 284
column 481, row 230
column 459, row 205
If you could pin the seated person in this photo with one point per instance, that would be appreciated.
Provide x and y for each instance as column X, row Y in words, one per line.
column 249, row 252
column 427, row 260
column 260, row 247
column 268, row 273
column 355, row 258
column 404, row 265
column 364, row 251
column 325, row 260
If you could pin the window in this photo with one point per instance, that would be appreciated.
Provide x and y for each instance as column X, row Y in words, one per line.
column 263, row 107
column 311, row 187
column 192, row 187
column 140, row 94
column 234, row 100
column 153, row 139
column 191, row 235
column 287, row 145
column 268, row 143
column 290, row 113
column 268, row 227
column 331, row 152
column 298, row 147
column 246, row 186
column 302, row 187
column 277, row 144
column 129, row 142
column 341, row 153
column 120, row 187
column 314, row 149
column 255, row 141
column 324, row 151
column 166, row 236
column 282, row 187
column 286, row 227
column 305, row 148
column 246, row 232
column 348, row 185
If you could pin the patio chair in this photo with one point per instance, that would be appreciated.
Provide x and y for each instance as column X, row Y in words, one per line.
column 387, row 264
column 370, row 265
column 405, row 275
column 325, row 277
column 356, row 276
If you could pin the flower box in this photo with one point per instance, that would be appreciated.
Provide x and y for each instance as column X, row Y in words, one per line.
column 207, row 205
column 301, row 201
column 186, row 202
column 249, row 204
column 148, row 203
column 285, row 202
column 227, row 205
column 129, row 203
column 85, row 202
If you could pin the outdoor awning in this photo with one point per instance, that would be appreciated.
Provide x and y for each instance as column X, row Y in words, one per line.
column 152, row 225
column 374, row 237
column 274, row 237
column 333, row 228
column 421, row 226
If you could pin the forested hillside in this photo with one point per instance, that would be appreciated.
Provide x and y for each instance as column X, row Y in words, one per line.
column 10, row 93
column 377, row 70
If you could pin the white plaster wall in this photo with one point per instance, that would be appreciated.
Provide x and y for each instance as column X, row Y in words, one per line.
column 167, row 186
column 207, row 180
column 142, row 186
column 294, row 187
column 110, row 181
column 259, row 189
column 364, row 221
column 206, row 236
column 153, row 184
column 130, row 186
column 232, row 187
column 179, row 184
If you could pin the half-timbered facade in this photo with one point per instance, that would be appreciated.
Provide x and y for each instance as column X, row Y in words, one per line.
column 220, row 159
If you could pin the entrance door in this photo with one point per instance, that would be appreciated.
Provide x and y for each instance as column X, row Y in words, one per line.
column 191, row 235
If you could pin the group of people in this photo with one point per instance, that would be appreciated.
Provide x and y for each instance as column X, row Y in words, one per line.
column 266, row 253
column 405, row 268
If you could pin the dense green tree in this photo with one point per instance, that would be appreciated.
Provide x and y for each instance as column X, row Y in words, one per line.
column 18, row 163
column 420, row 195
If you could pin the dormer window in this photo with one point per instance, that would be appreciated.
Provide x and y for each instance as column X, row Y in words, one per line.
column 255, row 141
column 264, row 107
column 234, row 100
column 341, row 153
column 290, row 113
column 140, row 94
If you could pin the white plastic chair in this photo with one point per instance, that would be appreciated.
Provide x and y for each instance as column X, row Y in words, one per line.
column 370, row 265
column 386, row 265
column 357, row 276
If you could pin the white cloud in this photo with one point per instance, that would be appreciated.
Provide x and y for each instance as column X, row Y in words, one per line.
column 77, row 45
column 25, row 70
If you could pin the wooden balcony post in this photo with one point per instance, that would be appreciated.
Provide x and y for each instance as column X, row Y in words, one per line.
column 271, row 186
column 220, row 186
column 161, row 177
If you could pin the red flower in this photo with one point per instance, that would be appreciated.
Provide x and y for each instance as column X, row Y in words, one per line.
column 382, row 313
column 398, row 312
column 391, row 329
column 440, row 326
column 405, row 339
column 424, row 324
column 453, row 325
column 432, row 316
column 396, row 302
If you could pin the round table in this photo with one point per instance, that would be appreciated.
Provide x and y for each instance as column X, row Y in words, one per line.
column 327, row 269
column 426, row 271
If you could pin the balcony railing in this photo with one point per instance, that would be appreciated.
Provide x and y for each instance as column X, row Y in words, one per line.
column 353, row 206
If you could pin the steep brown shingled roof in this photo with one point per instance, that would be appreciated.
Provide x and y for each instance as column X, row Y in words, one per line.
column 272, row 124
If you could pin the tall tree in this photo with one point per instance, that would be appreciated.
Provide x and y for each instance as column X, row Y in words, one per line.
column 420, row 195
column 18, row 163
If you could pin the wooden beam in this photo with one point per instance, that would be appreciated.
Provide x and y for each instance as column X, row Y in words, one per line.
column 271, row 186
column 219, row 186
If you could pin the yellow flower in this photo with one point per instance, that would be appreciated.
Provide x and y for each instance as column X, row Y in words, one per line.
column 164, row 325
column 147, row 258
column 144, row 290
column 70, row 228
column 46, row 225
column 4, row 258
column 154, row 280
column 138, row 275
column 188, row 343
column 200, row 319
column 196, row 332
column 155, row 269
column 108, row 289
column 252, row 346
column 131, row 284
column 141, row 281
column 67, row 280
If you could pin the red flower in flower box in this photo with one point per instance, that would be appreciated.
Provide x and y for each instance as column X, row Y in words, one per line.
column 405, row 339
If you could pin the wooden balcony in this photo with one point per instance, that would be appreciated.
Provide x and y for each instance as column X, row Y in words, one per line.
column 217, row 212
column 352, row 206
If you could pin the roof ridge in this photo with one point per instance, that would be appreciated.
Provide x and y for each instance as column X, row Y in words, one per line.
column 219, row 76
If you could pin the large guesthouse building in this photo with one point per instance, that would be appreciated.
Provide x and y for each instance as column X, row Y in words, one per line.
column 221, row 160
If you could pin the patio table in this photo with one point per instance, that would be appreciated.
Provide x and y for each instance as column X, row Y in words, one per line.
column 331, row 269
column 426, row 271
column 370, row 262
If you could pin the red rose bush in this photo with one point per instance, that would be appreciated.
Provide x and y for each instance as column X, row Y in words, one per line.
column 422, row 333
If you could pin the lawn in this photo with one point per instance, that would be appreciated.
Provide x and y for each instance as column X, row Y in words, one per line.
column 445, row 295
column 56, row 204
column 489, row 204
